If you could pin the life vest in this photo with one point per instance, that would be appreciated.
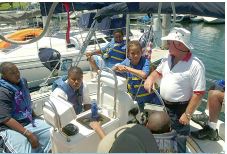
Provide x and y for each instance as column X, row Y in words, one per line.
column 22, row 106
column 116, row 52
column 167, row 142
column 75, row 97
column 135, row 83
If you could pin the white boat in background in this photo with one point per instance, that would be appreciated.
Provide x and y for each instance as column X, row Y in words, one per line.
column 180, row 18
column 212, row 20
column 26, row 57
column 196, row 18
column 29, row 62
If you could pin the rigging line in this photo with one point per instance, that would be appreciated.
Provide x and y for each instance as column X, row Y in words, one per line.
column 53, row 6
column 96, row 40
column 44, row 84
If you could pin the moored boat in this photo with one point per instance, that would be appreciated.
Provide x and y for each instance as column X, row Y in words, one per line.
column 27, row 57
column 196, row 18
column 212, row 20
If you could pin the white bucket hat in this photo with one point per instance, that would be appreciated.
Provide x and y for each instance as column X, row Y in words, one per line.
column 179, row 34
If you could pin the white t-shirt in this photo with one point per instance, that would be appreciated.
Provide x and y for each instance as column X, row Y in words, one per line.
column 186, row 77
column 59, row 92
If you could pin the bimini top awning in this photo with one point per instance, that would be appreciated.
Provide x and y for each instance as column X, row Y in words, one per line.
column 212, row 9
column 74, row 6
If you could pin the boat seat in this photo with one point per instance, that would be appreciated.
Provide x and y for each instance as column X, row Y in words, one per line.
column 65, row 112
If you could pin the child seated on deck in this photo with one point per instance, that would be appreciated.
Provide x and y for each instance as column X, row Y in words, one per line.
column 136, row 68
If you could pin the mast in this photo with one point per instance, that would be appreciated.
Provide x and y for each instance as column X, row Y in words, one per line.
column 166, row 22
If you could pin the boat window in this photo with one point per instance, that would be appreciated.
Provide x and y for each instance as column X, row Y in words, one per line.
column 108, row 39
column 93, row 41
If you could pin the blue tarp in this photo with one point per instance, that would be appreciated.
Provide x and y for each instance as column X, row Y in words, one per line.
column 212, row 9
column 74, row 6
column 104, row 25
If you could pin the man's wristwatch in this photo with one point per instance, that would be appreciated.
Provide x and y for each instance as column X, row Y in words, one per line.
column 188, row 115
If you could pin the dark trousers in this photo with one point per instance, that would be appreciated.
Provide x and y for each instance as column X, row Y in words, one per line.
column 175, row 111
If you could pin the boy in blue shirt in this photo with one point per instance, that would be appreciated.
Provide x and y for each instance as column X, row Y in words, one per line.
column 136, row 68
column 111, row 54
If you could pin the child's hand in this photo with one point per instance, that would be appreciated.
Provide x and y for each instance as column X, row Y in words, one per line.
column 121, row 68
column 95, row 125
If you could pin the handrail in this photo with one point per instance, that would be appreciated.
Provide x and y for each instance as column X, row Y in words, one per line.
column 59, row 126
column 56, row 113
column 115, row 88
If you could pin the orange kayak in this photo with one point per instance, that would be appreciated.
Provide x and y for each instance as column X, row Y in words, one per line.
column 21, row 35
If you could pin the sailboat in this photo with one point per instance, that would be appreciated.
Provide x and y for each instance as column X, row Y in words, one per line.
column 109, row 90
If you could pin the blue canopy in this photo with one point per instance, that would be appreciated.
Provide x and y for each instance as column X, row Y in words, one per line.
column 212, row 9
column 74, row 6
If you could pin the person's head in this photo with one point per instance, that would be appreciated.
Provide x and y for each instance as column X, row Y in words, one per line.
column 118, row 35
column 178, row 41
column 158, row 122
column 10, row 72
column 134, row 52
column 75, row 77
column 136, row 139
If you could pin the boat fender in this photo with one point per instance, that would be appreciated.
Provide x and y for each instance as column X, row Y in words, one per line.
column 70, row 129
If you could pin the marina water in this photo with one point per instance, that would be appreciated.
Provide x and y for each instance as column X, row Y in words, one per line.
column 209, row 46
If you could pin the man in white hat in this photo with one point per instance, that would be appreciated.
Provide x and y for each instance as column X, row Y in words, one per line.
column 182, row 82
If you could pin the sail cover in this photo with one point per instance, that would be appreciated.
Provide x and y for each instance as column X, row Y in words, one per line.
column 212, row 9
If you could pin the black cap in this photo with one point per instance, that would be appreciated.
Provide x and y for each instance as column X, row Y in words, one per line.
column 137, row 139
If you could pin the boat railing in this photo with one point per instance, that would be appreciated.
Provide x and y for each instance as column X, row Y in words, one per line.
column 115, row 88
column 55, row 67
column 154, row 90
